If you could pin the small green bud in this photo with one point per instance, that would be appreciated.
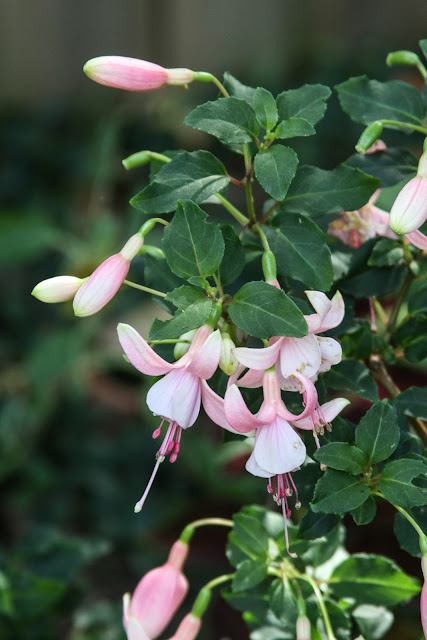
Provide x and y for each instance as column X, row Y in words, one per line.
column 407, row 58
column 369, row 136
column 136, row 160
column 227, row 362
column 202, row 602
column 269, row 266
column 181, row 348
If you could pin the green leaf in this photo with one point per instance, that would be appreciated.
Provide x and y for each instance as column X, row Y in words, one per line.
column 184, row 296
column 319, row 551
column 158, row 275
column 390, row 166
column 412, row 335
column 338, row 492
column 192, row 246
column 250, row 535
column 249, row 573
column 282, row 601
column 412, row 402
column 317, row 192
column 395, row 482
column 405, row 533
column 194, row 176
column 342, row 456
column 386, row 253
column 417, row 296
column 293, row 128
column 191, row 318
column 256, row 601
column 350, row 375
column 234, row 255
column 366, row 512
column 373, row 281
column 373, row 621
column 275, row 170
column 371, row 579
column 423, row 46
column 237, row 89
column 231, row 120
column 316, row 525
column 265, row 109
column 301, row 251
column 378, row 432
column 263, row 311
column 308, row 102
column 340, row 621
column 367, row 100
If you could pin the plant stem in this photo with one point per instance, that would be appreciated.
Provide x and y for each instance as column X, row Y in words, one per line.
column 218, row 285
column 323, row 609
column 405, row 125
column 219, row 580
column 257, row 229
column 241, row 219
column 404, row 513
column 188, row 531
column 400, row 298
column 169, row 341
column 268, row 213
column 146, row 289
column 248, row 184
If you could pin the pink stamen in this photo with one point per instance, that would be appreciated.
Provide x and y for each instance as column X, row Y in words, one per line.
column 285, row 518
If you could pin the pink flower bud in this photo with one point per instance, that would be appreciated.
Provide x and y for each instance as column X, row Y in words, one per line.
column 188, row 629
column 106, row 280
column 132, row 74
column 58, row 289
column 409, row 210
column 156, row 597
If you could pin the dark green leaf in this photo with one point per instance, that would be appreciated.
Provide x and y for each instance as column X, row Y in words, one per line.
column 378, row 432
column 316, row 525
column 184, row 296
column 405, row 533
column 191, row 318
column 234, row 255
column 301, row 251
column 366, row 512
column 256, row 601
column 239, row 90
column 342, row 456
column 373, row 281
column 338, row 492
column 250, row 535
column 412, row 335
column 158, row 275
column 192, row 246
column 417, row 296
column 231, row 120
column 390, row 166
column 395, row 482
column 195, row 176
column 293, row 128
column 265, row 109
column 412, row 402
column 350, row 375
column 249, row 573
column 386, row 253
column 423, row 46
column 317, row 192
column 282, row 601
column 263, row 311
column 275, row 170
column 373, row 621
column 367, row 100
column 308, row 102
column 370, row 579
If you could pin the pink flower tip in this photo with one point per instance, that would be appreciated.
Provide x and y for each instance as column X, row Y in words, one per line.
column 58, row 289
column 106, row 280
column 188, row 629
column 409, row 210
column 132, row 74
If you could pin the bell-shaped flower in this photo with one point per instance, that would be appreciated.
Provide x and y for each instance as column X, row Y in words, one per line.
column 132, row 74
column 176, row 397
column 188, row 628
column 409, row 210
column 308, row 355
column 106, row 280
column 57, row 289
column 157, row 597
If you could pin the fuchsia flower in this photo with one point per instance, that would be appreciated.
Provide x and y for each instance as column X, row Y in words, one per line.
column 188, row 629
column 177, row 396
column 58, row 289
column 309, row 355
column 132, row 74
column 157, row 597
column 106, row 280
column 409, row 210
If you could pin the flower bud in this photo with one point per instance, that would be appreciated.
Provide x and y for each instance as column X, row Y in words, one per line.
column 132, row 74
column 181, row 348
column 409, row 210
column 106, row 280
column 369, row 136
column 269, row 268
column 188, row 629
column 303, row 628
column 157, row 597
column 227, row 361
column 58, row 289
column 407, row 58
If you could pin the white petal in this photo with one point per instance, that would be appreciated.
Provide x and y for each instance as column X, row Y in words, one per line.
column 176, row 397
column 253, row 467
column 134, row 630
column 205, row 362
column 300, row 354
column 331, row 409
column 330, row 351
column 259, row 359
column 278, row 448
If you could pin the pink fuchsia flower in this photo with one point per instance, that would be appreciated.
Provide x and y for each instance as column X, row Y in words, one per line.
column 409, row 210
column 307, row 356
column 356, row 227
column 188, row 629
column 176, row 398
column 58, row 289
column 157, row 597
column 132, row 74
column 106, row 280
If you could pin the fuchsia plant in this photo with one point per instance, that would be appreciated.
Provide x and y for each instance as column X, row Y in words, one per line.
column 247, row 344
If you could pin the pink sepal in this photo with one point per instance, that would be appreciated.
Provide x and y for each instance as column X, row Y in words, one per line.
column 140, row 354
column 134, row 630
column 409, row 210
column 310, row 400
column 205, row 362
column 188, row 628
column 101, row 286
column 213, row 404
column 252, row 379
column 237, row 413
column 259, row 359
column 418, row 239
column 423, row 608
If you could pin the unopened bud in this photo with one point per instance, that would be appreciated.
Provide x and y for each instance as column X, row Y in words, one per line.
column 227, row 361
column 181, row 348
column 407, row 58
column 188, row 628
column 303, row 628
column 369, row 136
column 58, row 289
column 269, row 268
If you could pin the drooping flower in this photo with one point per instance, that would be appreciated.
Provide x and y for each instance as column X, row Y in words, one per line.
column 409, row 210
column 106, row 280
column 176, row 397
column 132, row 74
column 57, row 289
column 157, row 597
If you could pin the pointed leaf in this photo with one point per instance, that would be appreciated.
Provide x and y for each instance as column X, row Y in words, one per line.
column 184, row 296
column 386, row 253
column 338, row 492
column 350, row 375
column 275, row 170
column 263, row 311
column 417, row 296
column 239, row 90
column 191, row 318
column 231, row 120
column 249, row 573
column 395, row 482
column 195, row 176
column 342, row 456
column 265, row 109
column 412, row 402
column 234, row 256
column 293, row 128
column 308, row 102
column 192, row 246
column 366, row 512
column 405, row 533
column 315, row 525
column 378, row 432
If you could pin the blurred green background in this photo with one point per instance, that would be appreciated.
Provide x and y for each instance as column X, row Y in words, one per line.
column 75, row 436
